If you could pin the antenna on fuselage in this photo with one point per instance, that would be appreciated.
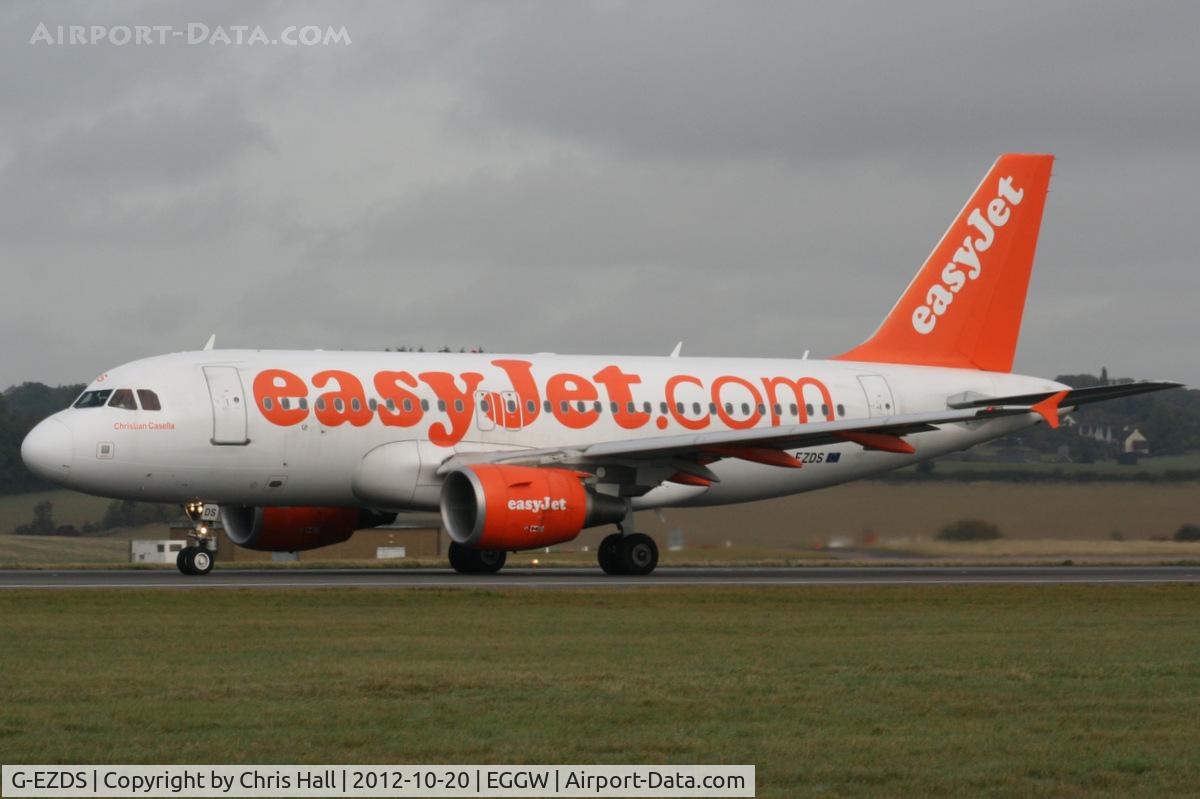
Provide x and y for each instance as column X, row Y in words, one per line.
column 675, row 352
column 208, row 345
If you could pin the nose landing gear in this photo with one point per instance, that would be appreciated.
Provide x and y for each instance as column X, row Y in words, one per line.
column 200, row 555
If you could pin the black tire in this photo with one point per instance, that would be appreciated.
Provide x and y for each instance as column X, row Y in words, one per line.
column 639, row 554
column 202, row 561
column 181, row 561
column 462, row 559
column 608, row 554
column 489, row 561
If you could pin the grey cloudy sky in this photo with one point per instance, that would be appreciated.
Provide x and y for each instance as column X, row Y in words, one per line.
column 752, row 178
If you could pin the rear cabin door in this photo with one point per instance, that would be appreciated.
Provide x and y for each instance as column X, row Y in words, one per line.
column 879, row 395
column 228, row 405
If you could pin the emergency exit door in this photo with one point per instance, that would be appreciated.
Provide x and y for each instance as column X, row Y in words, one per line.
column 228, row 405
column 879, row 395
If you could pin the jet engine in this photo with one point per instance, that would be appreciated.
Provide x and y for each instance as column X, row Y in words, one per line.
column 291, row 529
column 495, row 507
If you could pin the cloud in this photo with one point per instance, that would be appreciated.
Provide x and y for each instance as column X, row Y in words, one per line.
column 757, row 179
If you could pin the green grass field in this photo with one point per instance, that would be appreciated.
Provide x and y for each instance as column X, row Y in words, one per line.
column 1010, row 691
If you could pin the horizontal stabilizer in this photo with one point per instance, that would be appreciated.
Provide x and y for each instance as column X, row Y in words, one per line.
column 1078, row 396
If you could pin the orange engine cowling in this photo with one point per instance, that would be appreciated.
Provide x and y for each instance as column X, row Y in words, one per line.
column 521, row 507
column 291, row 529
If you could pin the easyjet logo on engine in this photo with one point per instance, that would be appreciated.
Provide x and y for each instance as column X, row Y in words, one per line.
column 537, row 505
column 941, row 294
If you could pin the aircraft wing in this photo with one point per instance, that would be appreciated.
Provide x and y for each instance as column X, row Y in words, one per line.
column 688, row 452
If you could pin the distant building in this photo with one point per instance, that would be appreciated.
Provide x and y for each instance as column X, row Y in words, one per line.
column 1136, row 443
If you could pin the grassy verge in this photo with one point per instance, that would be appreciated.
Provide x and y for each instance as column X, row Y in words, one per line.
column 1068, row 691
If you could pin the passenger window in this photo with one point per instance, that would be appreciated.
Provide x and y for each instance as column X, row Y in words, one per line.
column 93, row 399
column 442, row 405
column 424, row 404
column 547, row 407
column 663, row 408
column 320, row 403
column 373, row 404
column 304, row 403
column 646, row 407
column 355, row 405
column 579, row 404
column 745, row 409
column 530, row 406
column 458, row 406
column 339, row 405
column 679, row 408
column 630, row 407
column 778, row 409
column 485, row 406
column 795, row 411
column 564, row 406
column 268, row 403
column 597, row 407
column 284, row 402
column 123, row 398
column 824, row 409
column 841, row 409
column 809, row 409
column 150, row 401
column 696, row 408
column 408, row 405
column 712, row 408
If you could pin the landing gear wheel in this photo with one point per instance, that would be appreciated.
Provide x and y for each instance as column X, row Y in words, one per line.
column 202, row 561
column 460, row 558
column 639, row 554
column 476, row 561
column 183, row 561
column 490, row 561
column 609, row 554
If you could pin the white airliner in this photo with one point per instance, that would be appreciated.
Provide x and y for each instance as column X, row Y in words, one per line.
column 297, row 450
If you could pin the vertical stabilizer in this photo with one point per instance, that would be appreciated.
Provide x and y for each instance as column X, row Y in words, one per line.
column 964, row 307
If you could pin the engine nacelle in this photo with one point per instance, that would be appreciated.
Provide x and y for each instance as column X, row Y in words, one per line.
column 491, row 506
column 293, row 529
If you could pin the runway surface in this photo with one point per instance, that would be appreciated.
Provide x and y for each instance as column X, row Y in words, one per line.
column 593, row 578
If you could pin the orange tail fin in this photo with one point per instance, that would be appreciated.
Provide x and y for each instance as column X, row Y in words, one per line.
column 964, row 307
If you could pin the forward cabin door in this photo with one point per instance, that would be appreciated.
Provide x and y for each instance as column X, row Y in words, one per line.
column 879, row 395
column 228, row 405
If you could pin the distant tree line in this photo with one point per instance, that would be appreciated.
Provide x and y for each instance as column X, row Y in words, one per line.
column 1170, row 421
column 120, row 513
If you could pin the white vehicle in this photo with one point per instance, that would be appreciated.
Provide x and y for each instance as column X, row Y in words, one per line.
column 300, row 449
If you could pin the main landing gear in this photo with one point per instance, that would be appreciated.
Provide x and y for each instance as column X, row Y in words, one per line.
column 200, row 555
column 633, row 554
column 476, row 561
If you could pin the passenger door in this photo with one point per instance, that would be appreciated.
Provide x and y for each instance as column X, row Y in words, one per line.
column 228, row 405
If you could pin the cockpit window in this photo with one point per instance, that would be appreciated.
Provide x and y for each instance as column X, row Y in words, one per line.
column 123, row 398
column 92, row 399
column 150, row 401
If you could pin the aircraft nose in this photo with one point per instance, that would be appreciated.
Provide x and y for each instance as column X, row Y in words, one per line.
column 47, row 450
